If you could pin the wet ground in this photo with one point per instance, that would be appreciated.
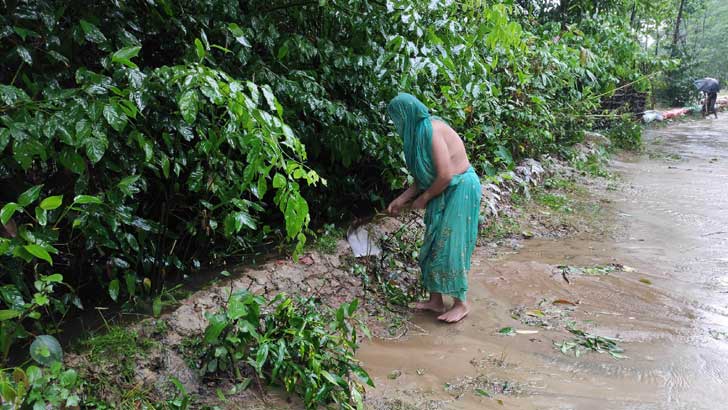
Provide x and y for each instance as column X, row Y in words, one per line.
column 668, row 307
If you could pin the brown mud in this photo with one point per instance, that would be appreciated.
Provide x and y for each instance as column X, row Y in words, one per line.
column 665, row 301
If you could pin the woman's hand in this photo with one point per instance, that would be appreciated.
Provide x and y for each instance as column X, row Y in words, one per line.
column 421, row 202
column 395, row 207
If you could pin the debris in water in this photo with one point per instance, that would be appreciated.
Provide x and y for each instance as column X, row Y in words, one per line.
column 394, row 374
column 508, row 331
column 589, row 342
column 362, row 244
column 526, row 332
column 717, row 335
column 646, row 281
column 597, row 270
column 420, row 372
column 482, row 392
column 482, row 385
column 564, row 302
column 546, row 315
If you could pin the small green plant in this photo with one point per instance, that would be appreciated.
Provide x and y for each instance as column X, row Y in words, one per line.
column 626, row 134
column 518, row 198
column 555, row 202
column 594, row 164
column 180, row 401
column 299, row 345
column 33, row 301
column 40, row 388
column 329, row 239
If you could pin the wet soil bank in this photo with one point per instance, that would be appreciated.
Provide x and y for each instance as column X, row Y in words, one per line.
column 664, row 298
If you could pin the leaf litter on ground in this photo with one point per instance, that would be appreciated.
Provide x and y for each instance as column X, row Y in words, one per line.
column 584, row 342
column 547, row 315
column 483, row 385
column 595, row 270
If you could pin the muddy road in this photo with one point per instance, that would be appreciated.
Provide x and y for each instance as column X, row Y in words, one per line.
column 665, row 300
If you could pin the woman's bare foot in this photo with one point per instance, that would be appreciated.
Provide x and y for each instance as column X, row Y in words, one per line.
column 435, row 304
column 457, row 313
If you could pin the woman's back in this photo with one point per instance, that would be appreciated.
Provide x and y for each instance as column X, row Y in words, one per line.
column 458, row 156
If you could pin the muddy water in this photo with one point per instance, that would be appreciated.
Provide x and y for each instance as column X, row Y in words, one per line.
column 669, row 313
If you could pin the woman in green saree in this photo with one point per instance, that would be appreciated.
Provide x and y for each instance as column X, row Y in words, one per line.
column 448, row 188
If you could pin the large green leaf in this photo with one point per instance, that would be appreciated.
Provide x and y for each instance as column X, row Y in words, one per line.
column 41, row 216
column 86, row 199
column 96, row 148
column 8, row 314
column 46, row 350
column 8, row 211
column 115, row 116
column 72, row 160
column 39, row 252
column 29, row 196
column 188, row 105
column 52, row 202
column 237, row 306
column 24, row 55
column 239, row 35
column 235, row 221
column 125, row 55
column 114, row 290
column 91, row 32
column 217, row 323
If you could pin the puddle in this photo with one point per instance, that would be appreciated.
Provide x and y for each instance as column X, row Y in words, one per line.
column 669, row 311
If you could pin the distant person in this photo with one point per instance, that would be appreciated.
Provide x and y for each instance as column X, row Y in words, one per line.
column 448, row 188
column 709, row 104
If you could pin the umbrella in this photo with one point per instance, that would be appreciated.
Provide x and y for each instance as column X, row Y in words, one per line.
column 708, row 85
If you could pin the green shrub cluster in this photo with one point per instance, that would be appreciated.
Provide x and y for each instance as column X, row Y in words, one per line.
column 293, row 343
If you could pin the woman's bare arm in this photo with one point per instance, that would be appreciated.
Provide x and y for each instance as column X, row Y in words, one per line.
column 443, row 166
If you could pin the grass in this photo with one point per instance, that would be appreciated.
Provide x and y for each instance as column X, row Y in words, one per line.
column 555, row 202
column 559, row 183
column 328, row 240
column 501, row 228
column 120, row 347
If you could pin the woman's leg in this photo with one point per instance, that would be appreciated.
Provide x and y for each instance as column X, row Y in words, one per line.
column 435, row 303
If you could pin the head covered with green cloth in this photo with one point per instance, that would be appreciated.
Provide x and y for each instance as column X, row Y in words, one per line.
column 412, row 120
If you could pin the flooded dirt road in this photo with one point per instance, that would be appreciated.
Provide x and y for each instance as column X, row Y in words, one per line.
column 665, row 300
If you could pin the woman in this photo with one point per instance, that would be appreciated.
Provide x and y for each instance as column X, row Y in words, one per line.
column 447, row 186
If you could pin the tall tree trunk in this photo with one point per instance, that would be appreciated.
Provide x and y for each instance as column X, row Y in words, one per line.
column 634, row 14
column 564, row 11
column 676, row 33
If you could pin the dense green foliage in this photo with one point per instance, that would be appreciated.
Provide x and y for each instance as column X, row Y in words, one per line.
column 298, row 345
column 192, row 131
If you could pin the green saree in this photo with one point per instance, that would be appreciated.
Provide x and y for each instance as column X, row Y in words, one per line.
column 451, row 218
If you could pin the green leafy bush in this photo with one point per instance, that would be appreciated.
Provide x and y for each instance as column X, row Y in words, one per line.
column 40, row 388
column 34, row 296
column 298, row 345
